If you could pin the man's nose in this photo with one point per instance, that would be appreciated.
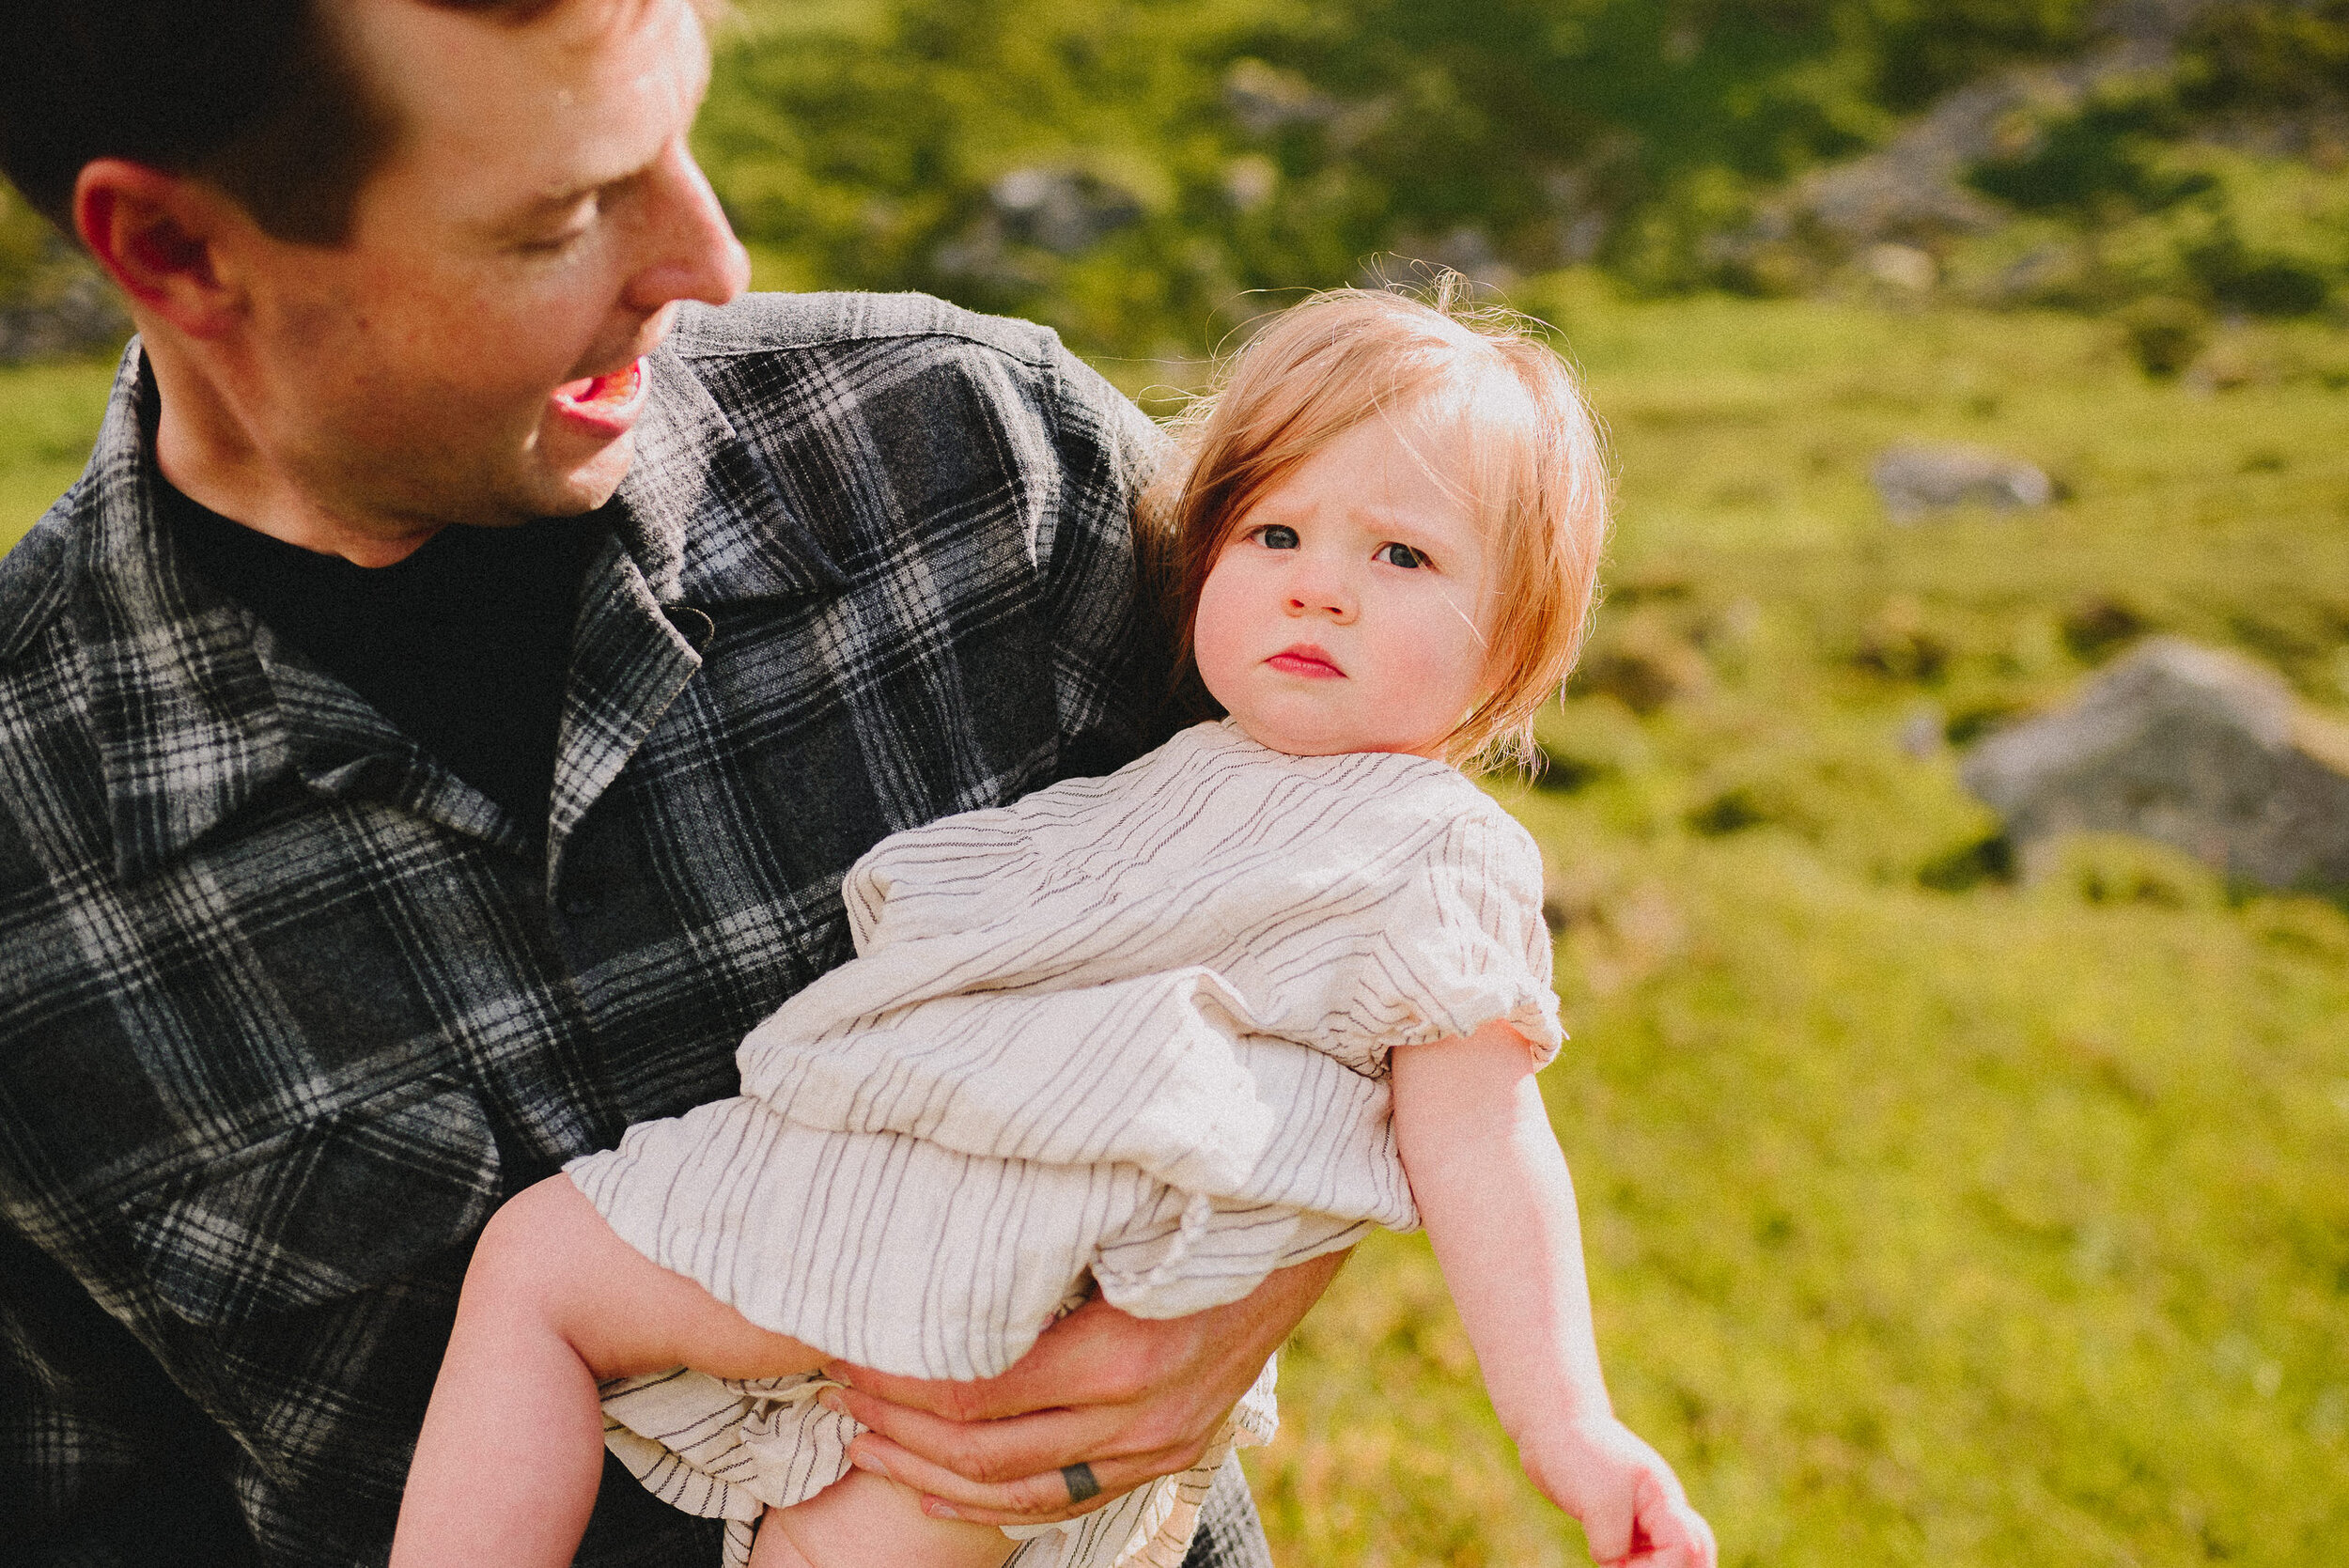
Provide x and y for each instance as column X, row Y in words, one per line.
column 693, row 253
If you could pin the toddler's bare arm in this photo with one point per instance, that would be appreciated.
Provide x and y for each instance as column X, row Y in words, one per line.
column 1493, row 1190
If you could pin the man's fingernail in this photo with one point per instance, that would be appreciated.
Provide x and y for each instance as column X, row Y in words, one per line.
column 829, row 1399
column 864, row 1461
column 936, row 1509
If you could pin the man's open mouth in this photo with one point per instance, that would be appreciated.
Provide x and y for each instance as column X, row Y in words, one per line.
column 603, row 397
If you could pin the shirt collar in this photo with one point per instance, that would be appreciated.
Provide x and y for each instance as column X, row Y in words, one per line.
column 196, row 709
column 187, row 724
column 700, row 512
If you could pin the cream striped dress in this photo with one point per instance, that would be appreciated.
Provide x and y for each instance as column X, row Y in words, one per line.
column 1130, row 1033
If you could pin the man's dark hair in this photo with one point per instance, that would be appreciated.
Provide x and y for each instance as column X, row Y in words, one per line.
column 252, row 95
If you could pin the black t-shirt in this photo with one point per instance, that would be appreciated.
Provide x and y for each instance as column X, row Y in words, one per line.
column 462, row 645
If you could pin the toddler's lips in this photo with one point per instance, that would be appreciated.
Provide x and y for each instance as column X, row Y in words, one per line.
column 606, row 405
column 1305, row 660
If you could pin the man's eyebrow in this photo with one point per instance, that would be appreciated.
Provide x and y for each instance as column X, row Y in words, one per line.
column 570, row 196
column 555, row 201
column 561, row 199
column 530, row 213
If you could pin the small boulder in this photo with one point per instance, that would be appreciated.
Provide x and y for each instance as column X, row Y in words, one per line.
column 1061, row 211
column 1902, row 267
column 1915, row 480
column 2194, row 747
column 1264, row 100
column 65, row 307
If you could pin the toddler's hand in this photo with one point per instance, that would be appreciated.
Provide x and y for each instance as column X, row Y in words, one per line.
column 1630, row 1504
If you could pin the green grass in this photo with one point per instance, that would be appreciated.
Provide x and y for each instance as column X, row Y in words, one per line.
column 1923, row 1231
column 49, row 414
column 1933, row 1219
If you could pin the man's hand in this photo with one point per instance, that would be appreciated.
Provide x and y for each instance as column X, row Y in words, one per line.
column 1133, row 1398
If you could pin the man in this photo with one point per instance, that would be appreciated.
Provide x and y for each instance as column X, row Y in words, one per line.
column 434, row 728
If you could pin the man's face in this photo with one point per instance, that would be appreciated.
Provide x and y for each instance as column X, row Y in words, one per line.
column 469, row 355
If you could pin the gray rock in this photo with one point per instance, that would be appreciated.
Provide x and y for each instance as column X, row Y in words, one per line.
column 1902, row 267
column 1250, row 180
column 1913, row 190
column 1923, row 732
column 1061, row 211
column 71, row 308
column 1264, row 100
column 2198, row 748
column 1466, row 250
column 1915, row 480
column 1057, row 211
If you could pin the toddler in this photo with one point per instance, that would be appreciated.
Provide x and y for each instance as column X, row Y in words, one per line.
column 1152, row 1035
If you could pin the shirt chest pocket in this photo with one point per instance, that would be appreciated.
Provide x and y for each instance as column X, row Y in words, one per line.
column 320, row 1210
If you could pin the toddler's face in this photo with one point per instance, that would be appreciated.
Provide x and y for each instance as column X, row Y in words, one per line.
column 1351, row 611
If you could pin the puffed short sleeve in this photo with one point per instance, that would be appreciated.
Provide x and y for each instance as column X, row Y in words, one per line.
column 1465, row 943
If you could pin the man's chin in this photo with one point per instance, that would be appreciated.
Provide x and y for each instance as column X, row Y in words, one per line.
column 585, row 486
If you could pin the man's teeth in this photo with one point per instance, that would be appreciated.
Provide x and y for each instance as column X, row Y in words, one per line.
column 614, row 388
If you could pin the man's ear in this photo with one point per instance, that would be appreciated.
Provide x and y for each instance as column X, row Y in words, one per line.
column 159, row 236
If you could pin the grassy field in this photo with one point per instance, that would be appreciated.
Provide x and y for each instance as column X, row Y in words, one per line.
column 48, row 415
column 1933, row 1219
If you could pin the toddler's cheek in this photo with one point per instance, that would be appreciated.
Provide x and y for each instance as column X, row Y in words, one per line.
column 1220, row 636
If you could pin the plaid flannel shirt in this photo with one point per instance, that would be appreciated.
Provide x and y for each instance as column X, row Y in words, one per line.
column 287, row 1008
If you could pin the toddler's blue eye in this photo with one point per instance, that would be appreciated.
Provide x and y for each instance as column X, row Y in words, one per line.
column 1401, row 555
column 1277, row 537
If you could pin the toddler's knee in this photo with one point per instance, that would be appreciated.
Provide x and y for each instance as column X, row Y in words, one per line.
column 521, row 1250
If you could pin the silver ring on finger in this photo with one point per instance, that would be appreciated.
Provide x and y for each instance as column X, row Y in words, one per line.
column 1081, row 1482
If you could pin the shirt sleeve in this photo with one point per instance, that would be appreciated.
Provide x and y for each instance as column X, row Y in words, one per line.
column 1468, row 944
column 1112, row 642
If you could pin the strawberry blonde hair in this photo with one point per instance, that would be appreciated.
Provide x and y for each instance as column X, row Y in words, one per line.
column 1518, row 440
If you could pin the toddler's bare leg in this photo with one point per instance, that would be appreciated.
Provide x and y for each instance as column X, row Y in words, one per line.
column 863, row 1521
column 512, row 1449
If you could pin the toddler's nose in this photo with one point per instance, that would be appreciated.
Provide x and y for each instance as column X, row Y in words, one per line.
column 1321, row 604
column 1314, row 590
